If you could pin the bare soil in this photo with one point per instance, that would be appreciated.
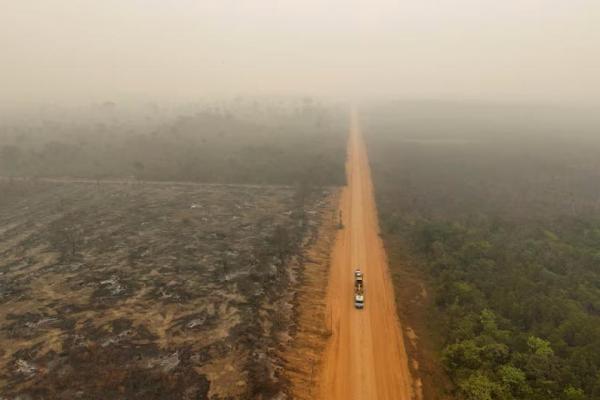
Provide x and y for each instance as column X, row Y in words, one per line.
column 150, row 291
column 304, row 356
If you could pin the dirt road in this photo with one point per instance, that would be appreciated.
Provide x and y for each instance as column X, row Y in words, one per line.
column 365, row 357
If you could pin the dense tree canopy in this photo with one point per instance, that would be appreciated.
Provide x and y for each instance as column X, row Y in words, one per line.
column 508, row 230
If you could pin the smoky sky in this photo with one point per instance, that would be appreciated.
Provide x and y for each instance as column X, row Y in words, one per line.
column 73, row 50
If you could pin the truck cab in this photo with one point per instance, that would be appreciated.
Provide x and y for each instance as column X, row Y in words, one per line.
column 359, row 290
column 358, row 276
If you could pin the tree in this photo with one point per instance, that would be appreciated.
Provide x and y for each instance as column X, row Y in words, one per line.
column 465, row 354
column 478, row 387
column 10, row 158
column 572, row 393
column 72, row 237
column 514, row 381
column 539, row 347
column 139, row 167
column 282, row 242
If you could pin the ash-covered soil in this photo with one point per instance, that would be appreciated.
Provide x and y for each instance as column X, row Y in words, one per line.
column 149, row 291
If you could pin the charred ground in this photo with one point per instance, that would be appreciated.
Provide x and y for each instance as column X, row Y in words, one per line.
column 149, row 291
column 116, row 282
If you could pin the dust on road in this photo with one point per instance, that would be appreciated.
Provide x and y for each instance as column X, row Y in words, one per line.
column 365, row 357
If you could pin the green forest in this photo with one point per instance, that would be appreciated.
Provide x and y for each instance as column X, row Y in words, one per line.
column 500, row 208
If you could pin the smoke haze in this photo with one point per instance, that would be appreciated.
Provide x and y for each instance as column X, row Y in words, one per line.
column 527, row 50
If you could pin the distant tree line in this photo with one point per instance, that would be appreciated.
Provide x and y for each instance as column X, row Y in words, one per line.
column 231, row 143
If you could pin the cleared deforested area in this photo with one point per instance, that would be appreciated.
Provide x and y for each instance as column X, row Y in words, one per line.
column 150, row 291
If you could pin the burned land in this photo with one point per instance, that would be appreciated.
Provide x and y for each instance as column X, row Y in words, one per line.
column 158, row 253
column 149, row 290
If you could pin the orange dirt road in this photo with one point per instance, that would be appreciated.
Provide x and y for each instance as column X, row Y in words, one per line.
column 365, row 357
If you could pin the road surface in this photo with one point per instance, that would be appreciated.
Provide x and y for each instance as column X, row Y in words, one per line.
column 365, row 357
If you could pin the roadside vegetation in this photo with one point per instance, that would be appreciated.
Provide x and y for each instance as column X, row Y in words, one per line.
column 499, row 207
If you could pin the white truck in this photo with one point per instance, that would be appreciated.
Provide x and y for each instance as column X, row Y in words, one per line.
column 359, row 289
